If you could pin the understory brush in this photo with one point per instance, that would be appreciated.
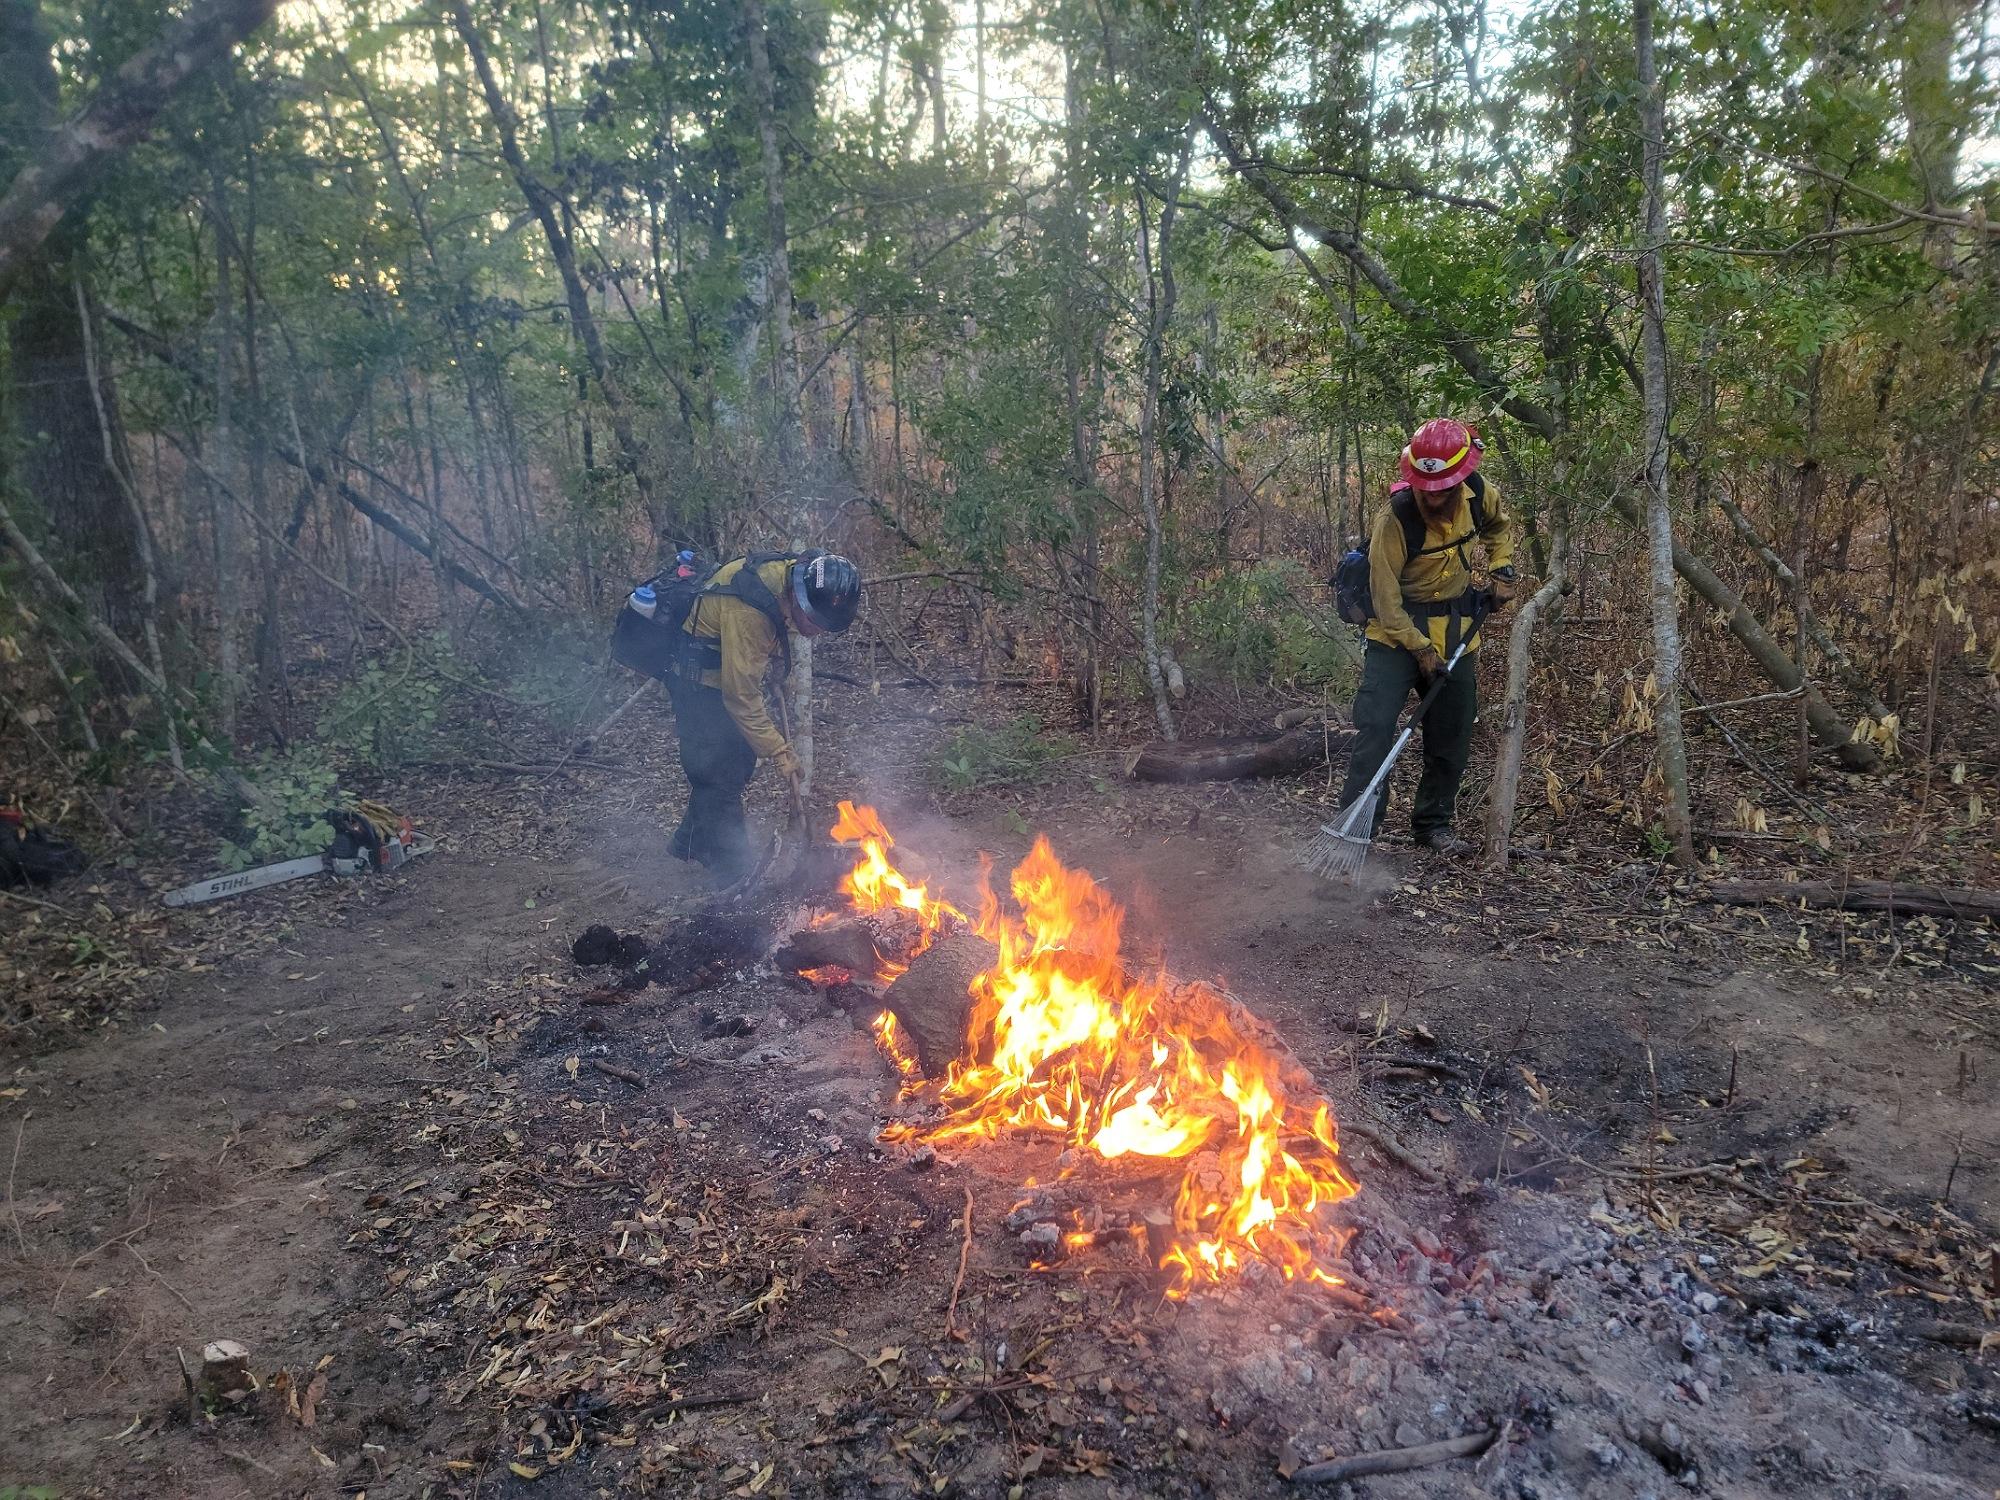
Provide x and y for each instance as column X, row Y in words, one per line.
column 1260, row 628
column 1010, row 754
column 387, row 714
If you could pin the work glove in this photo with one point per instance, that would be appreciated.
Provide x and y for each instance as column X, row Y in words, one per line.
column 787, row 762
column 1505, row 586
column 1429, row 664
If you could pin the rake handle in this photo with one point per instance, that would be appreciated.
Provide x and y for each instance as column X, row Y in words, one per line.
column 1482, row 606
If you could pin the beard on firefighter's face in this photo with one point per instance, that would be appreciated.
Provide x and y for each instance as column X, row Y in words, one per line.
column 1440, row 505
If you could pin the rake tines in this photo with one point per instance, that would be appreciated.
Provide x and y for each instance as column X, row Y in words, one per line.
column 1340, row 848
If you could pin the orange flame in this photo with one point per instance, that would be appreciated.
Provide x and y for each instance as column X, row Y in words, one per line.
column 877, row 885
column 889, row 1037
column 1064, row 1041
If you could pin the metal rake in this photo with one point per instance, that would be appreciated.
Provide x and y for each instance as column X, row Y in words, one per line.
column 1340, row 849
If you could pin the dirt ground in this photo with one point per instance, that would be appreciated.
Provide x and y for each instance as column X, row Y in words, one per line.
column 1687, row 1198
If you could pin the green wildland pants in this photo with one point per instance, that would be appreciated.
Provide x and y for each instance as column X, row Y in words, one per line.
column 1388, row 677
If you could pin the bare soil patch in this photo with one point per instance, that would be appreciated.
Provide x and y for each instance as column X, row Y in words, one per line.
column 1685, row 1230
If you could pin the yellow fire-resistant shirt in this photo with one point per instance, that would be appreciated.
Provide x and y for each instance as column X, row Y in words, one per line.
column 1396, row 579
column 749, row 641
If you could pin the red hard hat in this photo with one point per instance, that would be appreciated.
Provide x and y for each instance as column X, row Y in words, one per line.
column 1442, row 453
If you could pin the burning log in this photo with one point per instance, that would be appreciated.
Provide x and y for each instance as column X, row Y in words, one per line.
column 1225, row 759
column 862, row 946
column 932, row 1002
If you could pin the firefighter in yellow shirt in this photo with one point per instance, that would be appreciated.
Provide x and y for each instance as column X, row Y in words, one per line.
column 1420, row 580
column 735, row 630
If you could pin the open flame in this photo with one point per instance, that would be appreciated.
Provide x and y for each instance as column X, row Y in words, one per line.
column 1064, row 1041
column 889, row 1037
column 876, row 885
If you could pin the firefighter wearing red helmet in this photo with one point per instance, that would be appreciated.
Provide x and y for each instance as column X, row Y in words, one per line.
column 1420, row 579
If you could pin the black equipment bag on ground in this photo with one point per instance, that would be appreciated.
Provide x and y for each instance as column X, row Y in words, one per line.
column 654, row 646
column 35, row 856
column 1353, row 596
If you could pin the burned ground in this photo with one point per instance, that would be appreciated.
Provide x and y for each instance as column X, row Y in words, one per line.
column 1712, row 1209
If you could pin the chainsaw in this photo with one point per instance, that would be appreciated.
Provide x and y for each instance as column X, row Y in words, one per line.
column 367, row 839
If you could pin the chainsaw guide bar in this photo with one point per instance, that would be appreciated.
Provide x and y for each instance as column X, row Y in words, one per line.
column 392, row 854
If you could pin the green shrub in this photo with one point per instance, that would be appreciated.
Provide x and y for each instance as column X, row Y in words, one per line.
column 283, row 802
column 388, row 716
column 1017, row 751
column 1268, row 625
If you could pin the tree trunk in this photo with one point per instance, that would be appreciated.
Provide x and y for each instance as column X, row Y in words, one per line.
column 116, row 116
column 778, row 263
column 1222, row 759
column 1659, row 518
column 1815, row 629
column 548, row 212
column 799, row 706
column 222, row 442
column 1861, row 895
column 47, row 411
column 860, row 419
column 1158, row 274
column 149, row 615
column 1936, row 109
column 1082, row 435
column 1514, row 702
column 1828, row 727
column 60, row 460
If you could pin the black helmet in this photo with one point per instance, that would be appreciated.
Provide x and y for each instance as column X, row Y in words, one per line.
column 827, row 590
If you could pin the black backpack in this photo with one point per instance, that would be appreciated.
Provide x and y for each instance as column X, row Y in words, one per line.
column 654, row 647
column 1353, row 596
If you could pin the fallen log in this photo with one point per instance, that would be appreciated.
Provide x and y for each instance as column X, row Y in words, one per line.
column 1860, row 895
column 623, row 1075
column 1224, row 758
column 1382, row 1140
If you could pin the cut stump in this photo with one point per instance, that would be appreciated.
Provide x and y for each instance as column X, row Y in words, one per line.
column 932, row 1003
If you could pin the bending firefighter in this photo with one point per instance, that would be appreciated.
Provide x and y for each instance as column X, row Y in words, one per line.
column 1420, row 581
column 735, row 629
